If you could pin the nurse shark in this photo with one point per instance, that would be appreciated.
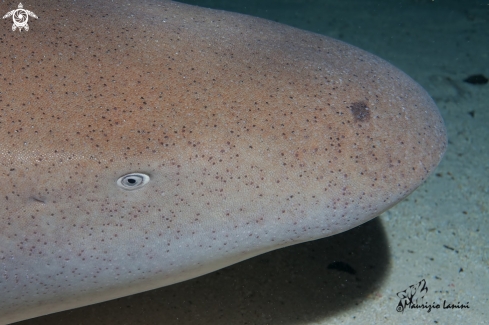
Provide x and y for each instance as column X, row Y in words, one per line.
column 146, row 143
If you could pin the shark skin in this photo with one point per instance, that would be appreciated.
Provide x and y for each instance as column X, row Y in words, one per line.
column 144, row 143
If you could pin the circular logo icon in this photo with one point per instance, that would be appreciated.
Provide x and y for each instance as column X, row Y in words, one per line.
column 20, row 17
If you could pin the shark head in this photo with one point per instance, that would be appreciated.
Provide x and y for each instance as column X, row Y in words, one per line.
column 148, row 144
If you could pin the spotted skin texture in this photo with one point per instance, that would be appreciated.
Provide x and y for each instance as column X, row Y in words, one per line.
column 255, row 135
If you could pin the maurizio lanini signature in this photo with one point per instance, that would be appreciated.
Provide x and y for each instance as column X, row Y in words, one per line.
column 20, row 16
column 413, row 296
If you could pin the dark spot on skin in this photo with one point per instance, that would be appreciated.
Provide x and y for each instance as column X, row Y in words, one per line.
column 360, row 111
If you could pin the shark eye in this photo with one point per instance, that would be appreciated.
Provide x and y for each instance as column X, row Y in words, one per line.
column 132, row 181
